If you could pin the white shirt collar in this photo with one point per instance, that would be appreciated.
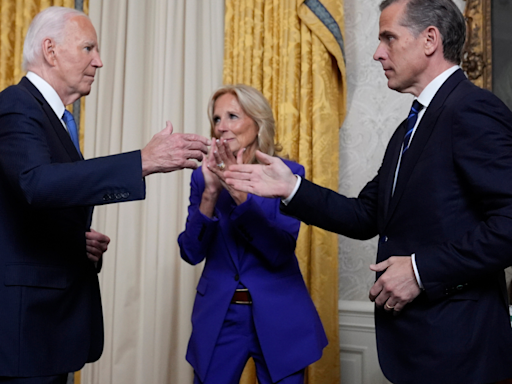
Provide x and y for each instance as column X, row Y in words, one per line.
column 425, row 98
column 431, row 89
column 49, row 94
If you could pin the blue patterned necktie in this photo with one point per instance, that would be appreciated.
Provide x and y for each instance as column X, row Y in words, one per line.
column 411, row 121
column 73, row 132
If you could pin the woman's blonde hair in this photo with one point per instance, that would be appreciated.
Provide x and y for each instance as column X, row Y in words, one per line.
column 256, row 106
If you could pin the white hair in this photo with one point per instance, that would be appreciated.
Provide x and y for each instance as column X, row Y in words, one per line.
column 49, row 23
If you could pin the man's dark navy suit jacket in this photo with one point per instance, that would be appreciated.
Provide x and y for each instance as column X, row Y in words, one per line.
column 50, row 307
column 452, row 208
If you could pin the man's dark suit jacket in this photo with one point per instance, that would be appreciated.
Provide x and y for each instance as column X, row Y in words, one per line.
column 50, row 307
column 452, row 207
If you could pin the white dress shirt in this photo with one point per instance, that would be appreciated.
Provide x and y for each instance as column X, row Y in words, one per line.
column 49, row 94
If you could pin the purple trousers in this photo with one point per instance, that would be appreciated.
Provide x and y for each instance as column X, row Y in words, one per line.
column 237, row 342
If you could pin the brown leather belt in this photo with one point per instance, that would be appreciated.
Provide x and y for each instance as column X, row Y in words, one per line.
column 241, row 296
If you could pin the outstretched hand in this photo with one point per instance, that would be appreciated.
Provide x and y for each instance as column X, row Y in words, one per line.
column 270, row 178
column 168, row 151
column 397, row 286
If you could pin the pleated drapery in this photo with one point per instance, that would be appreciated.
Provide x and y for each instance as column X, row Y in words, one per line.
column 15, row 18
column 292, row 50
column 162, row 60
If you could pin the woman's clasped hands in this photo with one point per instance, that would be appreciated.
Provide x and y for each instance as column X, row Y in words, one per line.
column 219, row 158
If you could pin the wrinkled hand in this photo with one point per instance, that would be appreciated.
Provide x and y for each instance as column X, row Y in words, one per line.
column 397, row 286
column 167, row 151
column 96, row 245
column 271, row 178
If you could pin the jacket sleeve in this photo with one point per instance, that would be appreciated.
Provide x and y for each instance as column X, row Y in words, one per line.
column 261, row 224
column 196, row 239
column 257, row 221
column 28, row 165
column 482, row 156
column 329, row 210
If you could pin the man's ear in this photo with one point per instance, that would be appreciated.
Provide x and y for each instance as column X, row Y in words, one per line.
column 48, row 46
column 433, row 40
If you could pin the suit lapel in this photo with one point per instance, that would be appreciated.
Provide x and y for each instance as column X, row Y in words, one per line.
column 55, row 122
column 61, row 133
column 420, row 139
column 388, row 168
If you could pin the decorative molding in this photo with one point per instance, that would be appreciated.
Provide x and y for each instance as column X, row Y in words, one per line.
column 358, row 351
column 352, row 358
column 360, row 308
column 356, row 316
column 477, row 56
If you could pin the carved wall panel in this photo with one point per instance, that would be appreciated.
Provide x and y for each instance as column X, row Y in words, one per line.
column 477, row 61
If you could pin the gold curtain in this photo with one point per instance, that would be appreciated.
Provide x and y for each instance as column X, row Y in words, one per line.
column 15, row 18
column 292, row 50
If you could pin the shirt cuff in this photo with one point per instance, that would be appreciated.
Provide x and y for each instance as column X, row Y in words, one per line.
column 416, row 273
column 297, row 185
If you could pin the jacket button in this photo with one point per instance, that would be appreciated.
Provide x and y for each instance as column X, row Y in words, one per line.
column 237, row 277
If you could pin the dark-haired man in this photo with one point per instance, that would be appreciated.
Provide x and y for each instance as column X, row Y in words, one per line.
column 441, row 204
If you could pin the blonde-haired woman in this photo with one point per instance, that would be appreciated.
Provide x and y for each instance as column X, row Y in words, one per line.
column 251, row 299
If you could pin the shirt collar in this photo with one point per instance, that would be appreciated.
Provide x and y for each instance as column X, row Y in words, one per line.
column 49, row 94
column 431, row 89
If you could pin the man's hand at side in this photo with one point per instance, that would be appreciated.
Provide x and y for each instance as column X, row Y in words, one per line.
column 167, row 151
column 96, row 244
column 397, row 286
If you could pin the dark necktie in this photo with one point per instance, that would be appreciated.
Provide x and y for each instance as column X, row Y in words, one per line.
column 73, row 132
column 411, row 121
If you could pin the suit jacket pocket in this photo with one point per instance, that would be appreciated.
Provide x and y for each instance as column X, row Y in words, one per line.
column 37, row 275
column 468, row 294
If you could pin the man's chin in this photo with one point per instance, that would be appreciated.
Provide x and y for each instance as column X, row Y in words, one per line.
column 85, row 91
column 393, row 85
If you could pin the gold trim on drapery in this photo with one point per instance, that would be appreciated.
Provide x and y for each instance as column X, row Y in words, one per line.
column 292, row 50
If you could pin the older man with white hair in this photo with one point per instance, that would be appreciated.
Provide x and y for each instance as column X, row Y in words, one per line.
column 51, row 316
